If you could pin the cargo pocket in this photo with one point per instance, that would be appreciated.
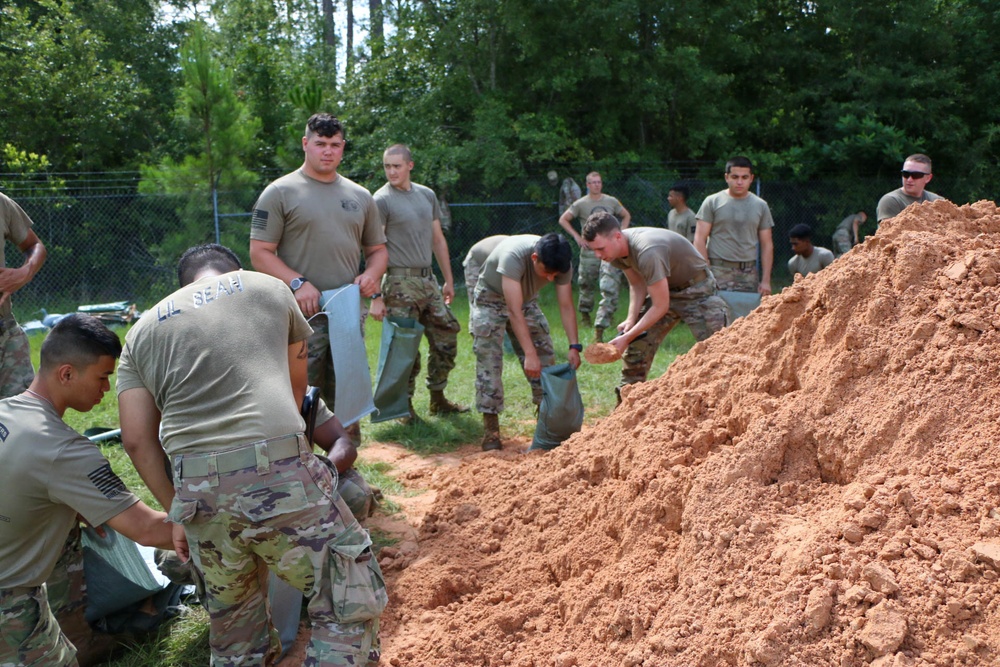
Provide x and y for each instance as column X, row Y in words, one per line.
column 183, row 511
column 274, row 500
column 356, row 583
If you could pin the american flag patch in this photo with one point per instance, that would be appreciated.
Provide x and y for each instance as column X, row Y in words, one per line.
column 107, row 482
column 259, row 220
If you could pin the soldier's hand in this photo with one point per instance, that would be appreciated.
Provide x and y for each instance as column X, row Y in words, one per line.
column 532, row 365
column 377, row 309
column 574, row 359
column 621, row 344
column 308, row 297
column 367, row 284
column 764, row 288
column 448, row 292
column 179, row 538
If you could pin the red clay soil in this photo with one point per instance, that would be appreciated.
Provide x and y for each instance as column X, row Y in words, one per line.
column 816, row 485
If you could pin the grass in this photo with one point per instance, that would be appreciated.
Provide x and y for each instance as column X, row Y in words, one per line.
column 184, row 642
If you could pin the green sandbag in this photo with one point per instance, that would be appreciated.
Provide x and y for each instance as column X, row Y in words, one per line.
column 400, row 347
column 561, row 412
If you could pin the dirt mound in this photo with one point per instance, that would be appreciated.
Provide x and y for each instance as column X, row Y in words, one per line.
column 816, row 485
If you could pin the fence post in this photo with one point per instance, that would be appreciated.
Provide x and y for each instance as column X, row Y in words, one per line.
column 215, row 209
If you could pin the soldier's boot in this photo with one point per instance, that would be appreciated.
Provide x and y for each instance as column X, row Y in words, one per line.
column 411, row 419
column 491, row 432
column 585, row 318
column 598, row 334
column 442, row 406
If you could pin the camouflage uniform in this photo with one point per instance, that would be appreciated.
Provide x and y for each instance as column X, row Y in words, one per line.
column 420, row 298
column 611, row 285
column 588, row 279
column 287, row 515
column 699, row 306
column 356, row 494
column 29, row 631
column 735, row 276
column 843, row 241
column 490, row 319
column 16, row 372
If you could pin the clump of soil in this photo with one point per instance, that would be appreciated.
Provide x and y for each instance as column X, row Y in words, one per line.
column 601, row 353
column 816, row 485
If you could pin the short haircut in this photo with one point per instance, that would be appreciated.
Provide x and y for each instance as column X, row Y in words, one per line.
column 739, row 161
column 325, row 125
column 921, row 158
column 801, row 231
column 400, row 149
column 683, row 189
column 554, row 252
column 78, row 339
column 600, row 222
column 209, row 255
column 594, row 173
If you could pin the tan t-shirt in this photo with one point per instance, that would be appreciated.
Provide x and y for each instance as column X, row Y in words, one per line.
column 482, row 249
column 214, row 355
column 735, row 225
column 819, row 259
column 409, row 224
column 15, row 225
column 512, row 258
column 683, row 223
column 892, row 203
column 847, row 224
column 660, row 253
column 584, row 207
column 320, row 228
column 49, row 473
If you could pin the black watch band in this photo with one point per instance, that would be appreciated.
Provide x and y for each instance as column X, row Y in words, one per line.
column 376, row 295
column 297, row 283
column 576, row 346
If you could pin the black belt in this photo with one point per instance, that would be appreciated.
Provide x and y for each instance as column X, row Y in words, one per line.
column 412, row 273
column 732, row 265
column 275, row 449
column 698, row 277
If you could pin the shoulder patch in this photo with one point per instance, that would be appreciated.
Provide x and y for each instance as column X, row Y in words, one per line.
column 107, row 482
column 350, row 205
column 259, row 220
column 4, row 432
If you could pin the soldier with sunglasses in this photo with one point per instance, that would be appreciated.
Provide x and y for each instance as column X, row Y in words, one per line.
column 916, row 175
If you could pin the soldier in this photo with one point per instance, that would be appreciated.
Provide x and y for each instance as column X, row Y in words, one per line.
column 331, row 436
column 511, row 278
column 846, row 235
column 668, row 282
column 413, row 233
column 681, row 219
column 592, row 272
column 737, row 221
column 808, row 258
column 218, row 370
column 309, row 228
column 474, row 260
column 916, row 175
column 15, row 351
column 51, row 476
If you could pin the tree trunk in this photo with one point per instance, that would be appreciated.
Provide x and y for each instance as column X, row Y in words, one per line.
column 376, row 33
column 349, row 57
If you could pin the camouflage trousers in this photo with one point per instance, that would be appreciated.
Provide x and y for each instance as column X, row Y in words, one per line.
column 356, row 494
column 741, row 278
column 321, row 361
column 285, row 516
column 16, row 372
column 29, row 632
column 841, row 241
column 588, row 277
column 611, row 285
column 421, row 299
column 472, row 270
column 698, row 306
column 490, row 319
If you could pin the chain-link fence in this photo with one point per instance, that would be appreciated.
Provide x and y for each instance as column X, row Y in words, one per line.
column 113, row 246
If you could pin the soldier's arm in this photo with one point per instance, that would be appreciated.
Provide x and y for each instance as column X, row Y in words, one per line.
column 659, row 294
column 566, row 221
column 141, row 523
column 515, row 303
column 298, row 359
column 767, row 260
column 443, row 258
column 140, row 422
column 567, row 313
column 701, row 231
column 376, row 261
column 332, row 437
column 264, row 258
column 626, row 218
column 12, row 280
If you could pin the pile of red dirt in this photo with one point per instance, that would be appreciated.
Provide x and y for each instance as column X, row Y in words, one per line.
column 816, row 485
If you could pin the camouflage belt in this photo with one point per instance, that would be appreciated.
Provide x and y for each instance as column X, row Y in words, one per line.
column 19, row 590
column 275, row 449
column 698, row 277
column 732, row 265
column 412, row 273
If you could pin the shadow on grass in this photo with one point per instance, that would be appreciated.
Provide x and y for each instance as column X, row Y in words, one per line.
column 434, row 435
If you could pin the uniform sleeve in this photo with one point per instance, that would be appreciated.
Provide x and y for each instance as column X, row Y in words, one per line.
column 652, row 266
column 83, row 479
column 435, row 204
column 706, row 211
column 888, row 207
column 268, row 221
column 766, row 221
column 617, row 208
column 127, row 375
column 383, row 209
column 511, row 266
column 374, row 230
column 16, row 222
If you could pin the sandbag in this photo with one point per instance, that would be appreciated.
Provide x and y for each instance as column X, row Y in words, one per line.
column 740, row 303
column 561, row 413
column 342, row 308
column 400, row 347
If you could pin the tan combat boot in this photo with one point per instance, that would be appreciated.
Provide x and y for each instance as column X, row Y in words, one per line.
column 491, row 432
column 442, row 406
column 598, row 334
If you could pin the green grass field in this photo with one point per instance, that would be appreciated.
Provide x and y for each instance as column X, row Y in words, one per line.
column 183, row 643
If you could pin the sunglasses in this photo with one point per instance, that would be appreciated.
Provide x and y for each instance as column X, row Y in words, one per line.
column 915, row 175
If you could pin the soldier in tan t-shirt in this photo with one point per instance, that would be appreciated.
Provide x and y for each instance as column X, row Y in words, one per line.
column 669, row 282
column 50, row 476
column 217, row 372
column 309, row 229
column 412, row 218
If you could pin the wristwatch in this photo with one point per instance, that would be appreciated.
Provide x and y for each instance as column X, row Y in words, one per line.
column 376, row 295
column 297, row 283
column 576, row 346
